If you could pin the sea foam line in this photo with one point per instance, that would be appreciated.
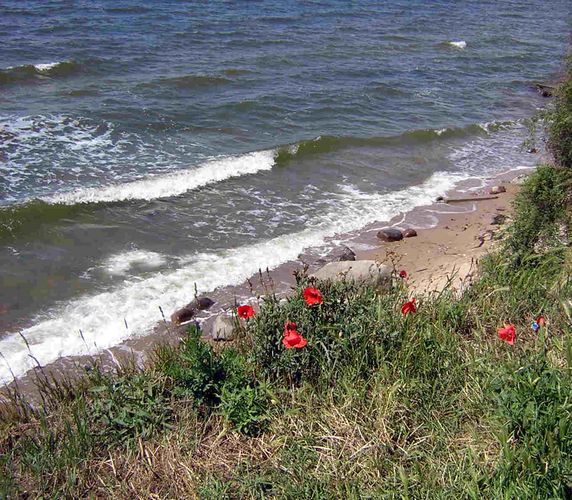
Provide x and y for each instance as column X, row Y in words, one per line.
column 102, row 317
column 173, row 184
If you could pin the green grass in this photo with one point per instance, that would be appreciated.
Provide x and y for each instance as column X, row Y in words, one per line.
column 377, row 405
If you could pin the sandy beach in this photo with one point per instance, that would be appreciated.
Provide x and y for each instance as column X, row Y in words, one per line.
column 451, row 249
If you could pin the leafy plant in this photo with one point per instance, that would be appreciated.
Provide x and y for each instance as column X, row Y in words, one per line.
column 128, row 406
column 245, row 407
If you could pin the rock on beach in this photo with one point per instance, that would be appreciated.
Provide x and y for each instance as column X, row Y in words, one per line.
column 363, row 271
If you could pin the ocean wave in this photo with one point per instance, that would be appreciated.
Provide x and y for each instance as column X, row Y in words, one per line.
column 101, row 146
column 29, row 73
column 328, row 144
column 102, row 318
column 173, row 184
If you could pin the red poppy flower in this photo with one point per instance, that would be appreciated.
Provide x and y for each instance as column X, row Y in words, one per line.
column 403, row 274
column 541, row 320
column 292, row 338
column 245, row 311
column 313, row 296
column 289, row 327
column 508, row 334
column 409, row 307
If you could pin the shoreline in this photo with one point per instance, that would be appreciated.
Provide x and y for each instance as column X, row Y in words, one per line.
column 445, row 236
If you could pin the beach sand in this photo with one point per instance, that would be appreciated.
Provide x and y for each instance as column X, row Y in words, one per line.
column 451, row 250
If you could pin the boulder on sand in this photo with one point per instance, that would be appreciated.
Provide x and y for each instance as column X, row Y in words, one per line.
column 338, row 254
column 185, row 314
column 497, row 190
column 223, row 327
column 365, row 271
column 409, row 233
column 390, row 234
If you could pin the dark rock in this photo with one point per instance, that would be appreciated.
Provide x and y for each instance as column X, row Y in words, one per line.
column 409, row 233
column 498, row 220
column 390, row 234
column 201, row 304
column 338, row 254
column 439, row 198
column 497, row 190
column 532, row 150
column 183, row 315
column 545, row 90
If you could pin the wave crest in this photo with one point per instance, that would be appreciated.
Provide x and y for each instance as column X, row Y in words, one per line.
column 29, row 73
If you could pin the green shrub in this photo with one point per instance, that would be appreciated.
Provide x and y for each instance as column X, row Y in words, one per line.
column 534, row 402
column 193, row 368
column 245, row 407
column 349, row 328
column 539, row 208
column 127, row 406
column 560, row 122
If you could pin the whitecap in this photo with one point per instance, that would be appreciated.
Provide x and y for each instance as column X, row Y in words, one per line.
column 172, row 184
column 122, row 263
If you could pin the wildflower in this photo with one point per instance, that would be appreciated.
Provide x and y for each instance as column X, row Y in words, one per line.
column 292, row 337
column 538, row 323
column 508, row 334
column 535, row 326
column 245, row 311
column 289, row 326
column 409, row 307
column 403, row 274
column 313, row 296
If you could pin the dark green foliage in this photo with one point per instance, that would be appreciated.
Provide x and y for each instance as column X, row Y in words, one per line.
column 560, row 123
column 245, row 407
column 536, row 407
column 216, row 380
column 128, row 406
column 350, row 327
column 193, row 367
column 540, row 207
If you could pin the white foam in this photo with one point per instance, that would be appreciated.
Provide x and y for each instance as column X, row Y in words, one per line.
column 47, row 66
column 173, row 184
column 461, row 44
column 122, row 263
column 102, row 317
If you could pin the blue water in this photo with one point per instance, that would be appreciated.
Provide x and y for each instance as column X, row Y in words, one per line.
column 149, row 146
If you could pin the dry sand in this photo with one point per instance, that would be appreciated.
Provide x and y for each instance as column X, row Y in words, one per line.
column 450, row 250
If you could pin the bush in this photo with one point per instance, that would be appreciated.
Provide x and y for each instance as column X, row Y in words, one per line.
column 534, row 402
column 128, row 406
column 560, row 123
column 350, row 327
column 539, row 208
column 192, row 367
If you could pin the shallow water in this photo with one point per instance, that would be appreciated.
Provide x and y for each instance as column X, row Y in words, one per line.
column 149, row 149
